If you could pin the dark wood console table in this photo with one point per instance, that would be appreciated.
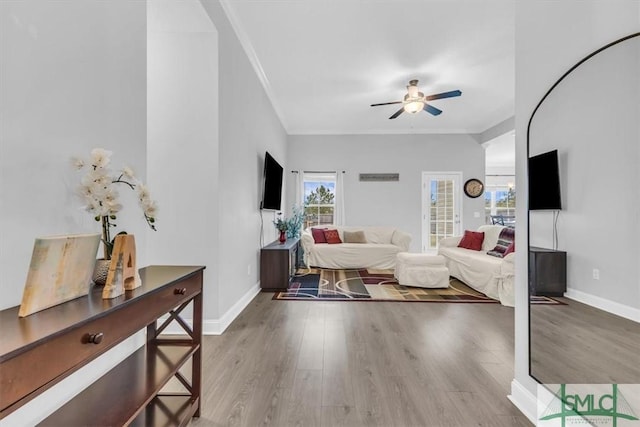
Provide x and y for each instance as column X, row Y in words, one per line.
column 40, row 350
column 547, row 272
column 277, row 264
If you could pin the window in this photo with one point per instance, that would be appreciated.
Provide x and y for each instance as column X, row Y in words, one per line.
column 319, row 198
column 500, row 198
column 506, row 202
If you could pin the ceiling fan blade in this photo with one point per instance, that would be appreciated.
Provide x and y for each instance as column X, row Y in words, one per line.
column 431, row 109
column 450, row 94
column 387, row 103
column 397, row 113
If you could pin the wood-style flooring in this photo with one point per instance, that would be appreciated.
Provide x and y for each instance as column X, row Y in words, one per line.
column 298, row 363
column 580, row 344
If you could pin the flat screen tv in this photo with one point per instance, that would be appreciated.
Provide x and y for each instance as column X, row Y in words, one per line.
column 271, row 184
column 544, row 182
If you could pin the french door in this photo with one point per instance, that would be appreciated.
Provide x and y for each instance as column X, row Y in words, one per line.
column 441, row 207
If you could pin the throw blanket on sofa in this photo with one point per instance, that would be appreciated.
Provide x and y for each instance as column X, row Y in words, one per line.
column 505, row 244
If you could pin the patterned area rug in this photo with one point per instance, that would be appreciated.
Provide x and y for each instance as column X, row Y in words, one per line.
column 376, row 285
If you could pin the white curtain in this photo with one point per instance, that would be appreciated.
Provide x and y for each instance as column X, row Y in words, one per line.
column 339, row 203
column 299, row 189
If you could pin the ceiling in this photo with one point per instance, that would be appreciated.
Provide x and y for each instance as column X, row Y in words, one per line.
column 323, row 62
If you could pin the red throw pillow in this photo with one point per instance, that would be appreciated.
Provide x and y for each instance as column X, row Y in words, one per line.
column 332, row 236
column 472, row 240
column 511, row 248
column 318, row 235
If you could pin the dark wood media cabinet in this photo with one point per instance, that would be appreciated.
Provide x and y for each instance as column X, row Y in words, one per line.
column 40, row 350
column 547, row 272
column 277, row 265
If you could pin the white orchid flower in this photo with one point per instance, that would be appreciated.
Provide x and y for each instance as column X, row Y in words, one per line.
column 99, row 192
column 100, row 157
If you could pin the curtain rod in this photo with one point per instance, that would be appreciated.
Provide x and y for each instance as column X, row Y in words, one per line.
column 317, row 171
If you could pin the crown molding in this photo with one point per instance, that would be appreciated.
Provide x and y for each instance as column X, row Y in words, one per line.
column 253, row 58
column 384, row 132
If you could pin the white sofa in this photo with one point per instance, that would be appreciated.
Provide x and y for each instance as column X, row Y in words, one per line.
column 488, row 274
column 383, row 244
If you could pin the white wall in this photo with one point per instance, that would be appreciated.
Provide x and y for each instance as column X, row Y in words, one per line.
column 72, row 77
column 571, row 30
column 248, row 126
column 592, row 119
column 389, row 203
column 500, row 154
column 182, row 152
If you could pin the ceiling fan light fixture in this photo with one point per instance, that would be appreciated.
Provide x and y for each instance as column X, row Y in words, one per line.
column 415, row 101
column 414, row 106
column 412, row 91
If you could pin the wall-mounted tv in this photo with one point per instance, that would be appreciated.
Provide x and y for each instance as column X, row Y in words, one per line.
column 271, row 184
column 544, row 182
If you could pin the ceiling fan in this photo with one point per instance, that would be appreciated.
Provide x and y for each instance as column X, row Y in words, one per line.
column 415, row 101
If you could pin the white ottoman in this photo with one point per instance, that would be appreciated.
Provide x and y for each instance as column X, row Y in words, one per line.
column 421, row 270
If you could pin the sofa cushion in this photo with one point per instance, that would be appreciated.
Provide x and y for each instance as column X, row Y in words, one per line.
column 332, row 236
column 356, row 255
column 471, row 240
column 472, row 260
column 354, row 237
column 377, row 234
column 506, row 238
column 318, row 235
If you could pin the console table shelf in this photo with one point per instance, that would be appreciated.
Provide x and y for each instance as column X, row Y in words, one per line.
column 125, row 390
column 40, row 350
column 164, row 411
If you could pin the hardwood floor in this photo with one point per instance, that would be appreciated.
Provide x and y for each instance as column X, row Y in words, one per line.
column 578, row 344
column 298, row 363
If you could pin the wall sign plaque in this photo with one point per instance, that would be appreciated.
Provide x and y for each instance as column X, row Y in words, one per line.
column 379, row 177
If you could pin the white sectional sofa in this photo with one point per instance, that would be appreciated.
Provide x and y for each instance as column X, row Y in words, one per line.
column 383, row 244
column 488, row 274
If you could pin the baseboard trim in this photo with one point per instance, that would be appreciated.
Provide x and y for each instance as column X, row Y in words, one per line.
column 604, row 304
column 524, row 400
column 217, row 326
column 236, row 309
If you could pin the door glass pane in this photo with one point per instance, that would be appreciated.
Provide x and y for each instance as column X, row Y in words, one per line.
column 442, row 210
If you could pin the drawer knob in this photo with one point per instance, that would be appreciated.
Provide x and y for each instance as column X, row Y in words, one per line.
column 95, row 338
column 180, row 291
